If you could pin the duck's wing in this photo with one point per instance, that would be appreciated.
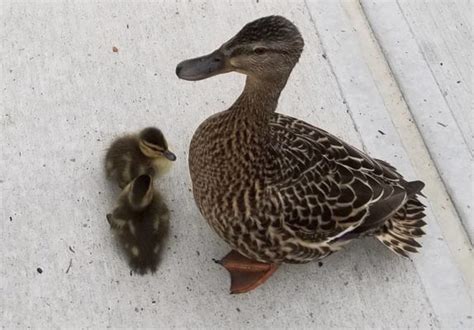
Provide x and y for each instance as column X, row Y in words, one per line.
column 327, row 188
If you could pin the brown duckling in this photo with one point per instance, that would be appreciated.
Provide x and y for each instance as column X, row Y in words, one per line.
column 141, row 221
column 132, row 155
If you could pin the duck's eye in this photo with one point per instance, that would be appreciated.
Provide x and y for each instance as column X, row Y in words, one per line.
column 260, row 50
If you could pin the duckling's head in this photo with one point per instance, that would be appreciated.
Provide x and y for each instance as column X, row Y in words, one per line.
column 266, row 48
column 140, row 192
column 153, row 144
column 137, row 195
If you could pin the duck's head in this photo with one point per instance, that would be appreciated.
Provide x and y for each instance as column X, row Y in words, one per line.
column 267, row 48
column 153, row 144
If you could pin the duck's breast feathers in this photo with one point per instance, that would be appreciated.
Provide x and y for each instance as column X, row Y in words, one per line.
column 326, row 186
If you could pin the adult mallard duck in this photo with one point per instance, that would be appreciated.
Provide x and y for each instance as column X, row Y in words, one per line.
column 276, row 188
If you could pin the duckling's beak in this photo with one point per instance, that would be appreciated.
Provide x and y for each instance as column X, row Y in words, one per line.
column 169, row 155
column 203, row 67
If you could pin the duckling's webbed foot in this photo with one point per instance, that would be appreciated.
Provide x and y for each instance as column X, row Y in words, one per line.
column 246, row 274
column 109, row 219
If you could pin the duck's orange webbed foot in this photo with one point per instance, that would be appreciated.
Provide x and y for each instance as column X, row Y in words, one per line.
column 245, row 274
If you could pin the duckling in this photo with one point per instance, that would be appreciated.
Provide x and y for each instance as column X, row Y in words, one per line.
column 141, row 221
column 133, row 155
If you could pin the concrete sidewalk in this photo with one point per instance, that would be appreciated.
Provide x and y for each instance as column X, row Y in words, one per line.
column 66, row 95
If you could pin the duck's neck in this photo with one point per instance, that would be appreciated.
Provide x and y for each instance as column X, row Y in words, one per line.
column 258, row 100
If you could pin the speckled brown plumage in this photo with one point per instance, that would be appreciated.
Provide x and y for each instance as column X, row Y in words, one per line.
column 277, row 189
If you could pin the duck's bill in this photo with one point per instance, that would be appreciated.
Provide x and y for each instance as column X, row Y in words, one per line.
column 169, row 155
column 202, row 67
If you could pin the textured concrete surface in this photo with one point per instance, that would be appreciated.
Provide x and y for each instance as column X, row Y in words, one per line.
column 65, row 95
column 435, row 75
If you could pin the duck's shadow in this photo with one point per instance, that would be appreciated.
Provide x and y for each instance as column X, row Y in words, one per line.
column 363, row 260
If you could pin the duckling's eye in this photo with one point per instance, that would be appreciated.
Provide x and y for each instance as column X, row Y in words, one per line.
column 260, row 50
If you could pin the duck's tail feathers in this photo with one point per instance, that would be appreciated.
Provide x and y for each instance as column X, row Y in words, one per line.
column 414, row 187
column 400, row 232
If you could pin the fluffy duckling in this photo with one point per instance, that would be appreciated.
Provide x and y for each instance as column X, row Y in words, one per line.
column 141, row 221
column 134, row 155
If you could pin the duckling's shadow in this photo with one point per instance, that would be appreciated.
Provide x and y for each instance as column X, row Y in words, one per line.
column 113, row 192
